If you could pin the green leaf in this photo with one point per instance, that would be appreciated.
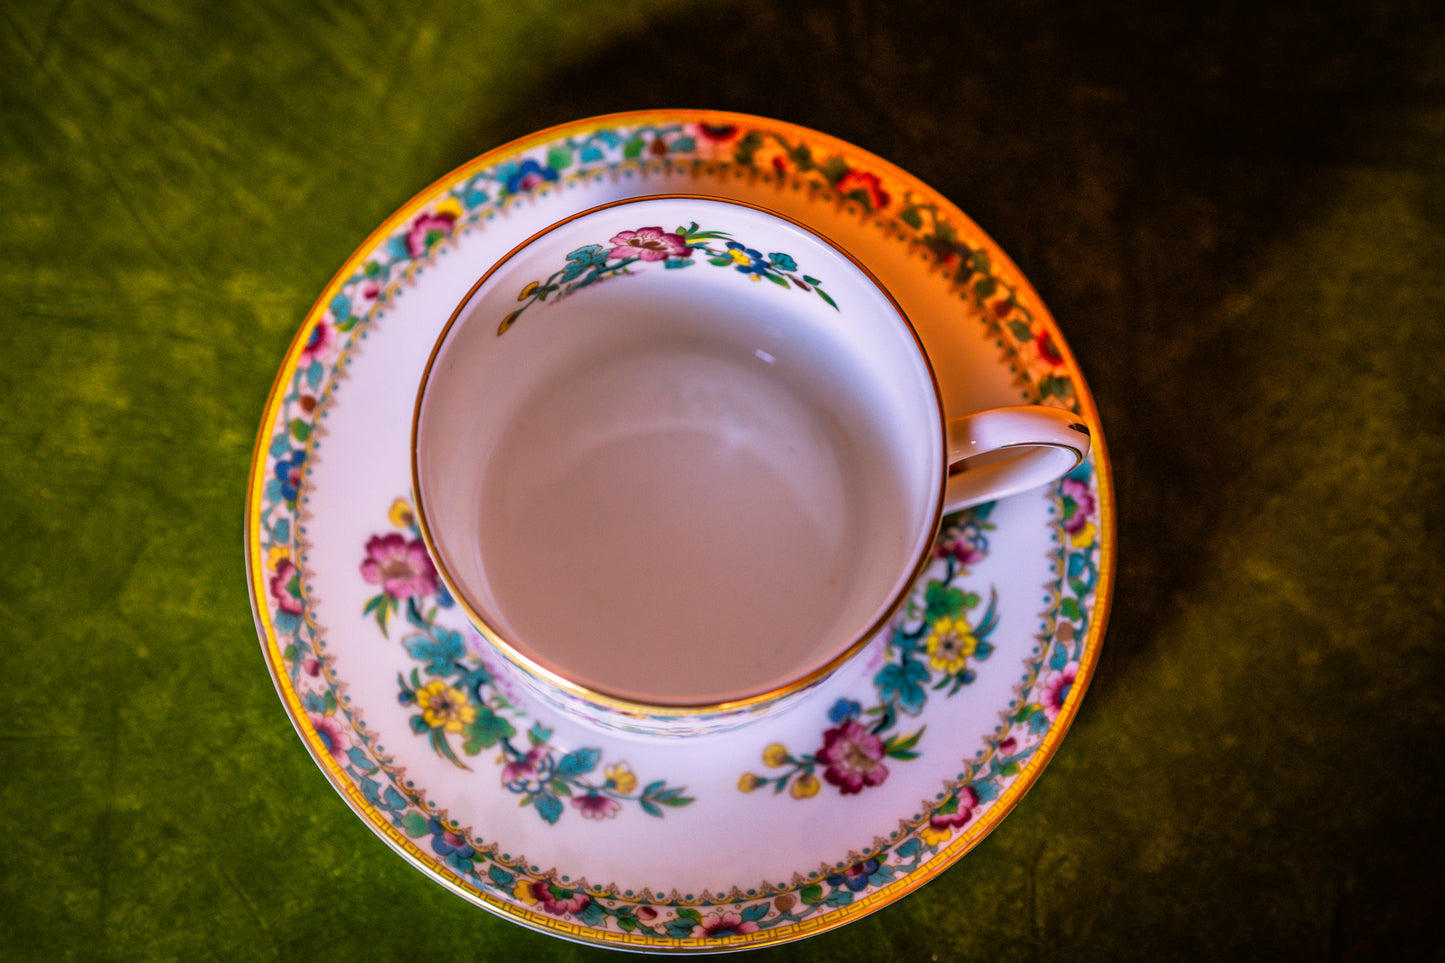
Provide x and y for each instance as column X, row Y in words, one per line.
column 911, row 217
column 300, row 430
column 688, row 913
column 414, row 825
column 782, row 282
column 720, row 261
column 1020, row 330
column 824, row 295
column 811, row 894
column 942, row 600
column 559, row 157
column 485, row 731
column 1070, row 609
column 633, row 148
column 984, row 287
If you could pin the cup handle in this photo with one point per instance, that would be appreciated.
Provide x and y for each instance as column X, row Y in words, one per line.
column 1004, row 451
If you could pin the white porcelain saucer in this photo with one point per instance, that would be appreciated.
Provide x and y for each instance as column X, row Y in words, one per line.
column 884, row 777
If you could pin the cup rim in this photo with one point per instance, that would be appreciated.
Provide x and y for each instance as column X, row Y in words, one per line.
column 624, row 705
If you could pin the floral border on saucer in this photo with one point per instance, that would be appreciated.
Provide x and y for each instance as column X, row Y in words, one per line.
column 539, row 896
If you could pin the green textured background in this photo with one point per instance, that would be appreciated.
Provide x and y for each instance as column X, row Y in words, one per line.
column 1236, row 212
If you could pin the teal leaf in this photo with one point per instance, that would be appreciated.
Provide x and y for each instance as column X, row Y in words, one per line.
column 549, row 807
column 1020, row 330
column 578, row 763
column 357, row 756
column 440, row 651
column 414, row 825
column 391, row 799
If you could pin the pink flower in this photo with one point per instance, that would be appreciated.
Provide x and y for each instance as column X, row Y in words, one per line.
column 853, row 757
column 400, row 567
column 333, row 736
column 1077, row 491
column 954, row 541
column 728, row 923
column 524, row 769
column 322, row 337
column 597, row 807
column 1056, row 692
column 426, row 230
column 555, row 900
column 967, row 800
column 649, row 244
column 286, row 587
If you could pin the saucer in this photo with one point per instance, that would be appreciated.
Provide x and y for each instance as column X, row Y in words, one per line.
column 877, row 781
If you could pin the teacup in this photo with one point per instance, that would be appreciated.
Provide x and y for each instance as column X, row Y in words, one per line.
column 680, row 458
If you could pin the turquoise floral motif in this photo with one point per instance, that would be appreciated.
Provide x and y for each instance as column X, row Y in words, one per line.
column 455, row 696
column 628, row 251
column 1049, row 675
column 933, row 649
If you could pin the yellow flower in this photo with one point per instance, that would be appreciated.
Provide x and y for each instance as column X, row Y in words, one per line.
column 443, row 707
column 527, row 291
column 933, row 835
column 621, row 778
column 806, row 785
column 1084, row 537
column 740, row 256
column 450, row 206
column 950, row 644
column 523, row 891
column 400, row 513
column 747, row 782
column 775, row 755
column 277, row 554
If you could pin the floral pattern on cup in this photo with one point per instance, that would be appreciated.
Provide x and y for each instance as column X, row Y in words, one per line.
column 934, row 648
column 456, row 697
column 628, row 251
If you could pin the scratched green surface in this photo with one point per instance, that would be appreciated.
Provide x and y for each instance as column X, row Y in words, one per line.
column 1236, row 212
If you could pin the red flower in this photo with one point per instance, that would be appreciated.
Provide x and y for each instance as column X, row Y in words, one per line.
column 867, row 185
column 1047, row 350
column 401, row 568
column 714, row 133
column 853, row 757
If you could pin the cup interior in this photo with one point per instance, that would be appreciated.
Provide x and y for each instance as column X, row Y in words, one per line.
column 670, row 481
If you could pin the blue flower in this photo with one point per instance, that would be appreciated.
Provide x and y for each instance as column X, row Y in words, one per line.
column 783, row 261
column 288, row 473
column 529, row 175
column 843, row 710
column 747, row 260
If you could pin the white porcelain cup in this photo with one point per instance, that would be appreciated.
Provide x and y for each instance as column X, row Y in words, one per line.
column 680, row 458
